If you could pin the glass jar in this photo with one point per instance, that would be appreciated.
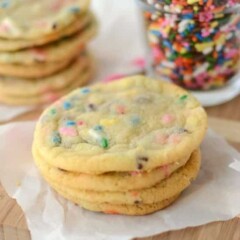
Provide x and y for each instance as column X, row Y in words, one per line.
column 193, row 43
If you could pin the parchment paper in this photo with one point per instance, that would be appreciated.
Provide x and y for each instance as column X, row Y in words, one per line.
column 214, row 196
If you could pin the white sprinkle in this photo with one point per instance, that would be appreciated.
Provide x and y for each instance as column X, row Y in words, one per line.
column 158, row 6
column 151, row 1
column 168, row 64
column 201, row 69
column 187, row 77
column 94, row 134
column 183, row 25
column 166, row 8
column 219, row 47
column 229, row 35
column 208, row 50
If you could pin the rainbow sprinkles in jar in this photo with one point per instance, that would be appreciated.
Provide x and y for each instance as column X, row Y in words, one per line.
column 194, row 43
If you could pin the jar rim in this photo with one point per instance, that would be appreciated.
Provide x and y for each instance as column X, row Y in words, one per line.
column 151, row 8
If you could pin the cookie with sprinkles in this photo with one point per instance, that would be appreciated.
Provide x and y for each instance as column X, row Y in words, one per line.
column 49, row 89
column 11, row 45
column 40, row 17
column 36, row 70
column 112, row 181
column 64, row 48
column 171, row 125
column 124, row 147
column 168, row 187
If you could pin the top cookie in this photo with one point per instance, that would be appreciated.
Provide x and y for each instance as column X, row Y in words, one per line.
column 132, row 124
column 27, row 19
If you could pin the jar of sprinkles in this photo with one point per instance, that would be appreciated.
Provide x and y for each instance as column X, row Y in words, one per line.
column 193, row 43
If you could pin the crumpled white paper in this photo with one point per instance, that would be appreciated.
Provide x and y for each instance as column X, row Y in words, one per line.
column 119, row 41
column 214, row 196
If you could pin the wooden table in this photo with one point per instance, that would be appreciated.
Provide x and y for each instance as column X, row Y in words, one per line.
column 224, row 119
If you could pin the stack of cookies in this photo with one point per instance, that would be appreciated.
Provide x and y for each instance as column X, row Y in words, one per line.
column 43, row 49
column 126, row 147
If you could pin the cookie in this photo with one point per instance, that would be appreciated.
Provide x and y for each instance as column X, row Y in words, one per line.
column 18, row 44
column 32, row 87
column 169, row 187
column 65, row 48
column 114, row 181
column 49, row 96
column 40, row 17
column 133, row 210
column 35, row 70
column 128, row 125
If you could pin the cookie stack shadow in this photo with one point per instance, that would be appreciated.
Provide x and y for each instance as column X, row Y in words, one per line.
column 93, row 166
column 40, row 70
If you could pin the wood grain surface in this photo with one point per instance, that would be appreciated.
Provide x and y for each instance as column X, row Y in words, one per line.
column 224, row 119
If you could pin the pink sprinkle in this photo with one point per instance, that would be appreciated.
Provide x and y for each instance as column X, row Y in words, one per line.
column 161, row 138
column 80, row 123
column 39, row 54
column 140, row 62
column 68, row 131
column 51, row 97
column 120, row 109
column 56, row 5
column 135, row 194
column 206, row 32
column 165, row 169
column 168, row 118
column 111, row 212
column 174, row 138
column 231, row 53
column 4, row 27
column 113, row 77
column 157, row 54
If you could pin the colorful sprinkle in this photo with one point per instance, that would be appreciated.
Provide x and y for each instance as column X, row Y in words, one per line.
column 104, row 143
column 80, row 123
column 108, row 121
column 114, row 212
column 56, row 138
column 135, row 173
column 70, row 123
column 113, row 77
column 67, row 105
column 53, row 111
column 74, row 9
column 120, row 109
column 183, row 97
column 68, row 131
column 135, row 120
column 98, row 128
column 165, row 169
column 134, row 193
column 168, row 118
column 187, row 38
column 85, row 90
column 140, row 62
